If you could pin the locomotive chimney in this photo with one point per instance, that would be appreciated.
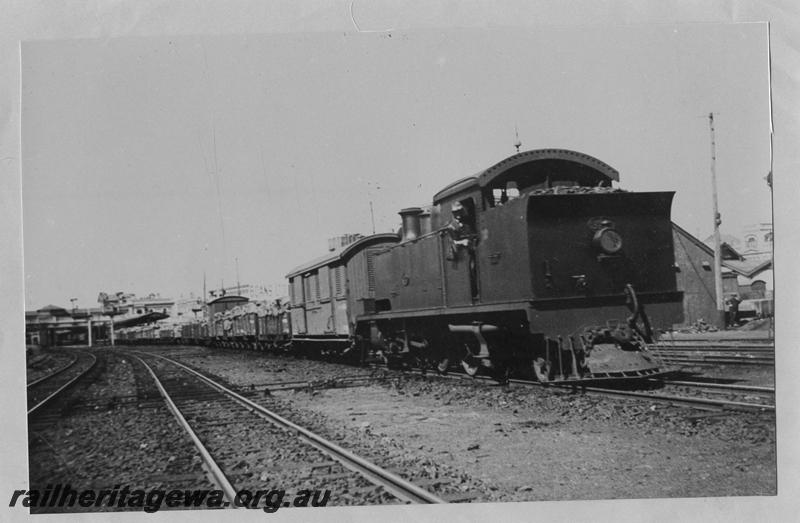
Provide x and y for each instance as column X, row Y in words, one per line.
column 410, row 218
column 425, row 222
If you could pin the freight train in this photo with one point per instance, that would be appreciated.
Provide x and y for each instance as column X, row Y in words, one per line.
column 233, row 322
column 539, row 265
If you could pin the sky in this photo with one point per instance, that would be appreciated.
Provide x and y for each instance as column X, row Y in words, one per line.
column 149, row 162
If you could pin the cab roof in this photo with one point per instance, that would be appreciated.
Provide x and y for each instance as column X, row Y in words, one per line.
column 590, row 170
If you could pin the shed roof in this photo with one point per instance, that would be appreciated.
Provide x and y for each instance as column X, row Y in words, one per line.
column 748, row 267
column 54, row 310
column 150, row 317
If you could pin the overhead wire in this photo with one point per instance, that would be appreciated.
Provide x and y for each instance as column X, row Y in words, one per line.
column 215, row 162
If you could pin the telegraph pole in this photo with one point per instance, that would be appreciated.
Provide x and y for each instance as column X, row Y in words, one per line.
column 238, row 289
column 717, row 222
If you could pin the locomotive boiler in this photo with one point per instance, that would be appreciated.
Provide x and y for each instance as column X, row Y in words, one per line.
column 538, row 264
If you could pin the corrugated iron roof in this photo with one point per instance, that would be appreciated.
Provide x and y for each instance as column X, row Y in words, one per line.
column 748, row 267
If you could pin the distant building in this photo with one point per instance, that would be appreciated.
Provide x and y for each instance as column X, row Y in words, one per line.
column 746, row 271
column 128, row 310
column 341, row 241
column 757, row 240
column 188, row 309
column 694, row 267
column 752, row 262
column 267, row 292
column 127, row 306
column 54, row 325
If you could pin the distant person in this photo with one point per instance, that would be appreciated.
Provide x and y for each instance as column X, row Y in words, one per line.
column 733, row 310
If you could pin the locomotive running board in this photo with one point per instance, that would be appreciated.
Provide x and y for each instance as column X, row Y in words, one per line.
column 467, row 309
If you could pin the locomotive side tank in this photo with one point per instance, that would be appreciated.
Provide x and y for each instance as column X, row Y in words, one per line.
column 536, row 264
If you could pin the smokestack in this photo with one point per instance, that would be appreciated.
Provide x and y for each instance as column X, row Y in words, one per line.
column 410, row 218
column 425, row 222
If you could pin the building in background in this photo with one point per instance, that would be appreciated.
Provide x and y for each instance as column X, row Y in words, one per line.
column 266, row 292
column 54, row 325
column 752, row 262
column 746, row 273
column 694, row 270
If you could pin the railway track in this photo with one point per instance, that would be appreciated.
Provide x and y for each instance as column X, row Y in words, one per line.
column 44, row 390
column 658, row 395
column 212, row 413
column 747, row 394
column 716, row 352
column 53, row 373
column 703, row 396
column 719, row 386
column 684, row 400
column 304, row 384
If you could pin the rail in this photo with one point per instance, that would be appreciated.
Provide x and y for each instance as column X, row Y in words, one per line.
column 218, row 475
column 393, row 483
column 689, row 401
column 64, row 386
column 53, row 374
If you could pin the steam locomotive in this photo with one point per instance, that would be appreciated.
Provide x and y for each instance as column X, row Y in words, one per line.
column 537, row 266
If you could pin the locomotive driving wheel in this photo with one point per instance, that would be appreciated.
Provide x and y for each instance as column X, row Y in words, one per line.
column 501, row 373
column 541, row 368
column 382, row 357
column 470, row 363
column 470, row 366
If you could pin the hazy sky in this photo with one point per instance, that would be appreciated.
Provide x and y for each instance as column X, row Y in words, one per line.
column 147, row 161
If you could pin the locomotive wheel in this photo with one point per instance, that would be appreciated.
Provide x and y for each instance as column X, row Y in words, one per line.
column 541, row 369
column 469, row 368
column 501, row 373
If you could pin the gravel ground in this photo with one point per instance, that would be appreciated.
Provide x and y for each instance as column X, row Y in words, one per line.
column 41, row 363
column 463, row 440
column 104, row 439
column 554, row 446
column 523, row 444
column 243, row 369
column 256, row 455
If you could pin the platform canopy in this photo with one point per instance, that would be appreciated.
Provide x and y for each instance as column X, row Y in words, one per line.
column 150, row 317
